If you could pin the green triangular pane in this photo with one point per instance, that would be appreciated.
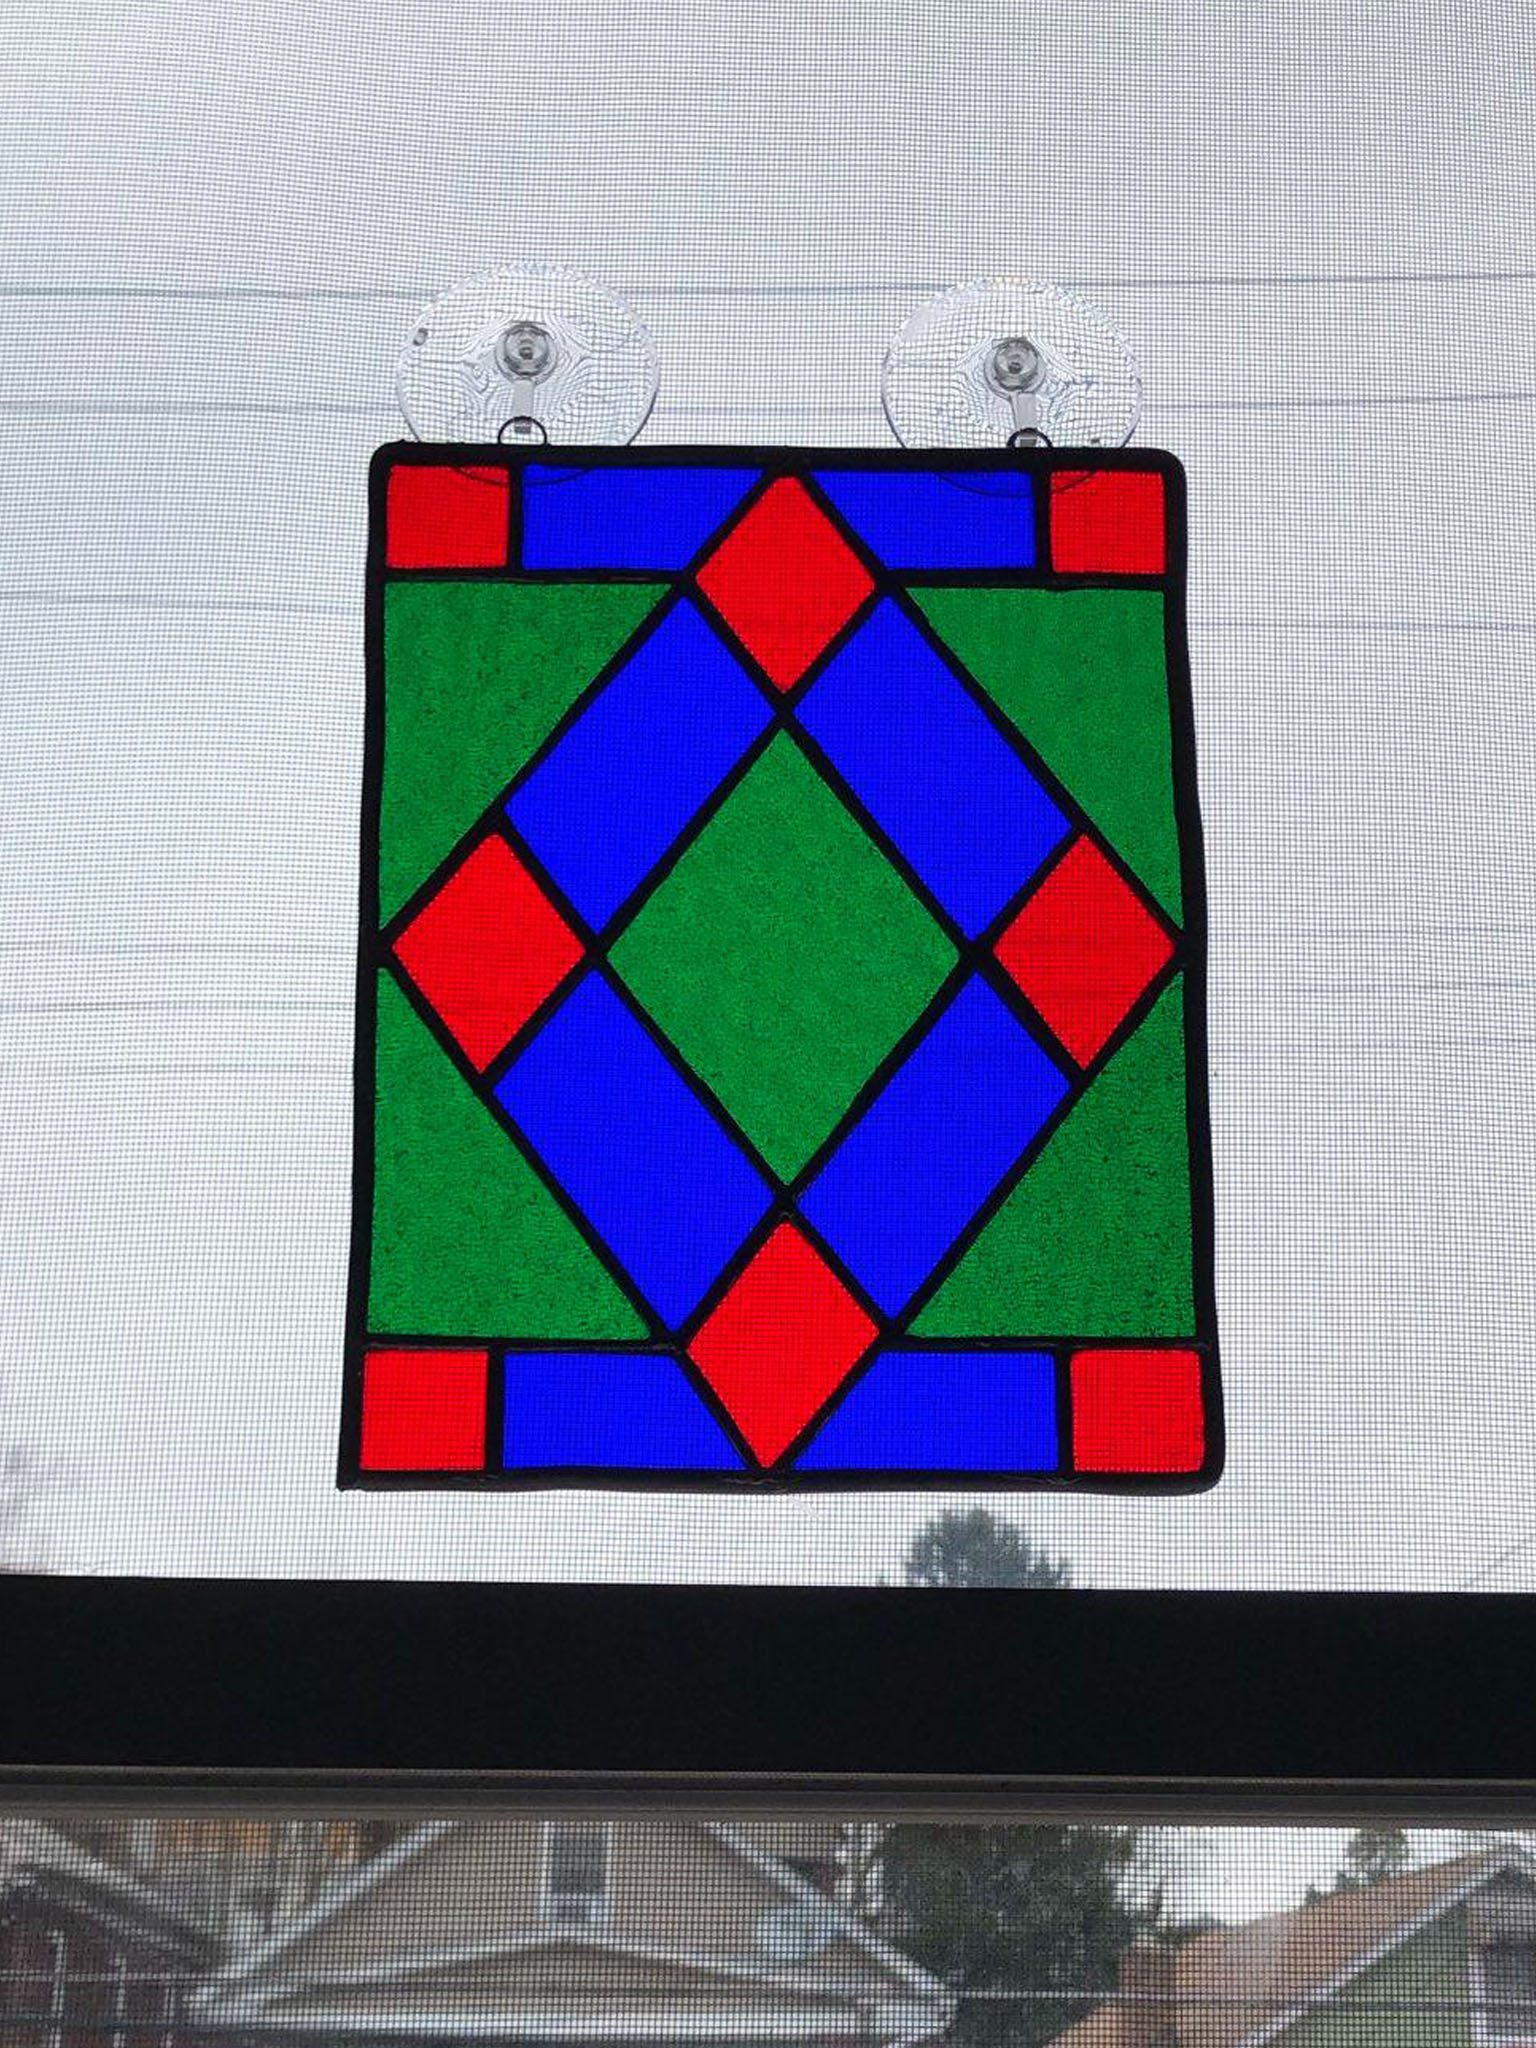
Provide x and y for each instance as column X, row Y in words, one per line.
column 475, row 674
column 1083, row 675
column 1095, row 1239
column 467, row 1240
column 784, row 956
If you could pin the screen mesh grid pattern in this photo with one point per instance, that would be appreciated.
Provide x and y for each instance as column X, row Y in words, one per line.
column 364, row 1933
column 1313, row 225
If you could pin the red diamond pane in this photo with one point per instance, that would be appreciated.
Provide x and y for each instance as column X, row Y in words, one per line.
column 487, row 949
column 1083, row 949
column 785, row 582
column 780, row 1342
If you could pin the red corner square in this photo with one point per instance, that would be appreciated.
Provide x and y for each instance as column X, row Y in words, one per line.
column 424, row 1411
column 442, row 518
column 1137, row 1411
column 1107, row 522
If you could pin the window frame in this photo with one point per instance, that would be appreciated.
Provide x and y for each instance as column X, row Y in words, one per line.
column 600, row 1908
column 1484, row 2032
column 1253, row 1705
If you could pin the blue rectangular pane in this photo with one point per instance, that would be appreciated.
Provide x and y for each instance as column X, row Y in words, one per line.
column 608, row 1408
column 933, row 1145
column 931, row 768
column 640, row 519
column 607, row 801
column 943, row 1411
column 960, row 519
column 661, row 1182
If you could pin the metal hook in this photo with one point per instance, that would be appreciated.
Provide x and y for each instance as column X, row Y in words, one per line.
column 525, row 355
column 523, row 426
column 1017, row 370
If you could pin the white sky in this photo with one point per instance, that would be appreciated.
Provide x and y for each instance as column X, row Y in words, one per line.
column 1314, row 224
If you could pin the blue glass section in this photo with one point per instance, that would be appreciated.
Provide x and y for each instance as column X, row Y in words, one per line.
column 608, row 1408
column 657, row 1177
column 923, row 519
column 933, row 1144
column 931, row 768
column 641, row 519
column 614, row 792
column 943, row 1411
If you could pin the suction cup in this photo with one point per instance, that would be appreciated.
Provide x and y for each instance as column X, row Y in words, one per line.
column 532, row 353
column 1010, row 362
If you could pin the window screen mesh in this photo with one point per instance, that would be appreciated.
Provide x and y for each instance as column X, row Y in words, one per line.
column 365, row 1934
column 1313, row 225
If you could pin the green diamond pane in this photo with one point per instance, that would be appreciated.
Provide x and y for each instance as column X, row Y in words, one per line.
column 784, row 956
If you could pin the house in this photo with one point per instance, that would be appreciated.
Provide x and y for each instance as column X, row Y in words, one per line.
column 583, row 1930
column 1443, row 1957
column 238, row 1875
column 91, row 1956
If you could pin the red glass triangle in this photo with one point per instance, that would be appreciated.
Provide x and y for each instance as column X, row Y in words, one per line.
column 780, row 1342
column 1084, row 948
column 487, row 949
column 785, row 581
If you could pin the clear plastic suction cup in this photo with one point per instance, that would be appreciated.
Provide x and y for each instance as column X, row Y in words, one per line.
column 530, row 354
column 1007, row 361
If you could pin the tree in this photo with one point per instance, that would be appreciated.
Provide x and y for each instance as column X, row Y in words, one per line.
column 1519, row 1842
column 24, row 1479
column 971, row 1547
column 1168, row 1866
column 1373, row 1855
column 1006, row 1914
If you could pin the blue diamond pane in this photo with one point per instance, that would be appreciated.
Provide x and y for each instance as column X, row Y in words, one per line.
column 934, row 1143
column 615, row 791
column 943, row 1411
column 917, row 520
column 628, row 1409
column 626, row 518
column 931, row 768
column 657, row 1177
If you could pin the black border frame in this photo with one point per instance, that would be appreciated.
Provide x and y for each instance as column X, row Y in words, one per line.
column 1188, row 959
